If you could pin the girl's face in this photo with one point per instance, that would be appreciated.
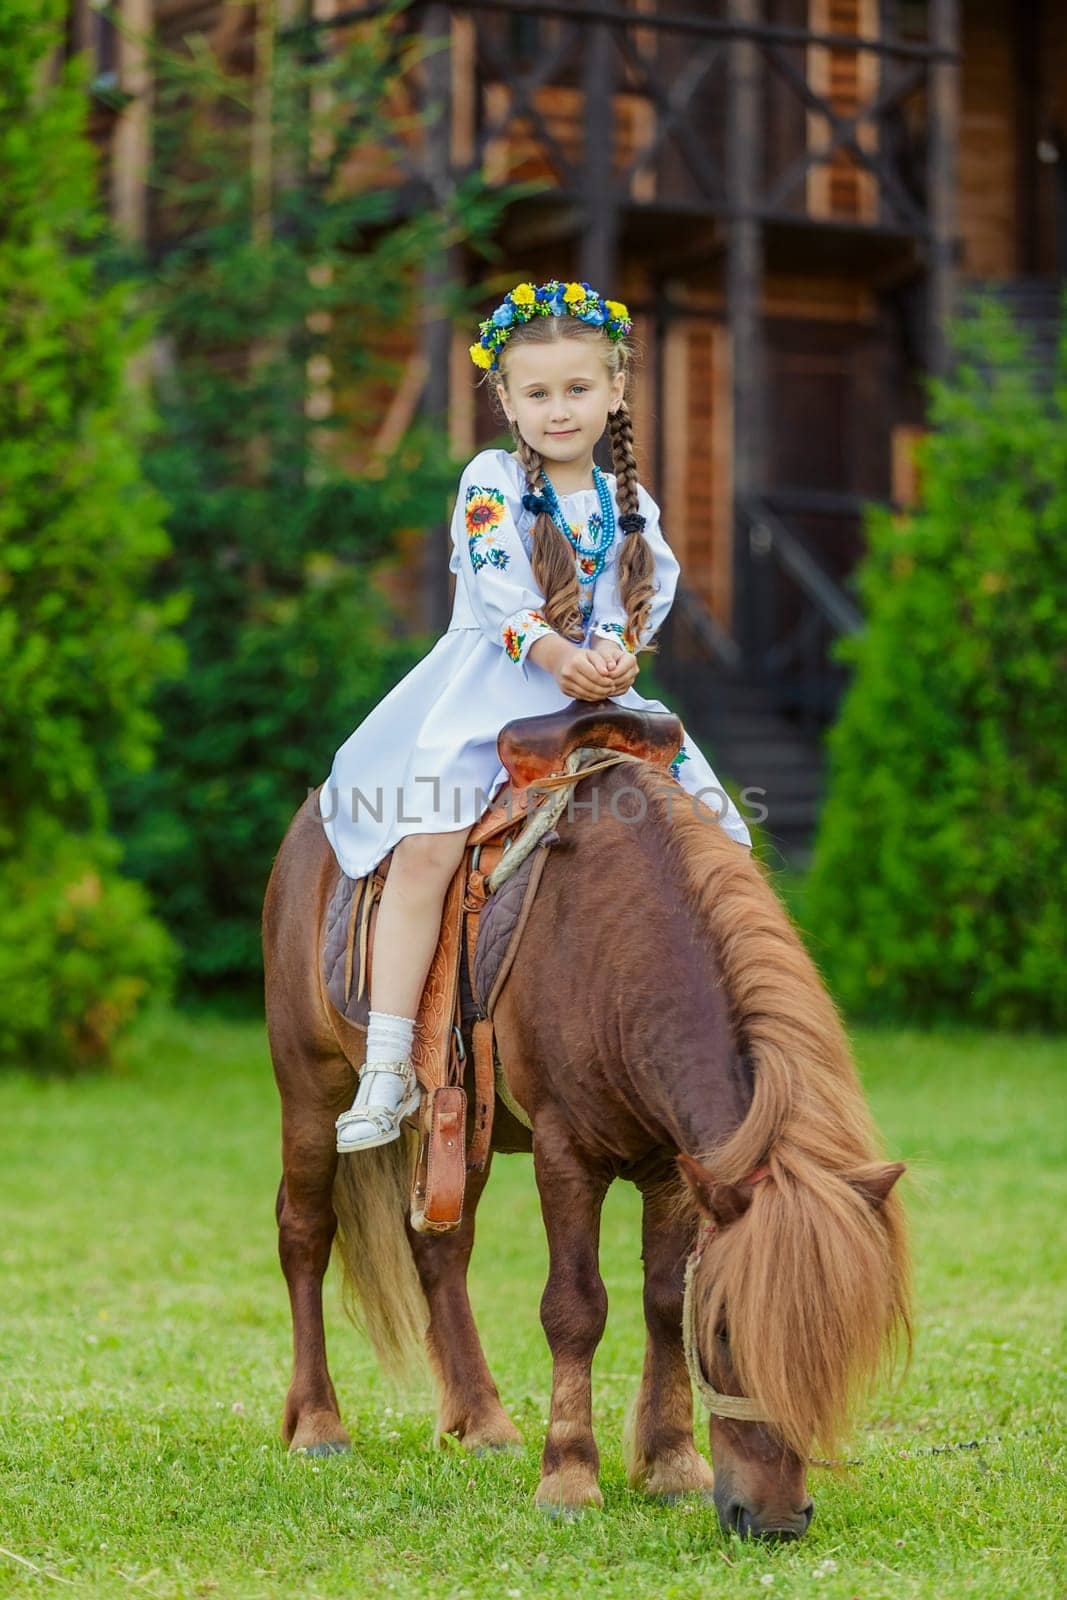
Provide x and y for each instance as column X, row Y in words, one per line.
column 559, row 395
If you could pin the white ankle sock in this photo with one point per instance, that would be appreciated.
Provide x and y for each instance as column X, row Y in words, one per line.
column 389, row 1041
column 389, row 1037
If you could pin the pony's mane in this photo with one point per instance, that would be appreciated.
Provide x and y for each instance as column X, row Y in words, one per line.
column 812, row 1281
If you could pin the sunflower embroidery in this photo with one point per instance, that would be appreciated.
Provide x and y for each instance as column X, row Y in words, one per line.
column 483, row 511
column 515, row 637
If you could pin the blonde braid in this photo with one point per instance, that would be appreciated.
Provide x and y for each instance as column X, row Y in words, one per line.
column 635, row 566
column 553, row 556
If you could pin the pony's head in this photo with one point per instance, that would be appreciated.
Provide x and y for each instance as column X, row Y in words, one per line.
column 796, row 1300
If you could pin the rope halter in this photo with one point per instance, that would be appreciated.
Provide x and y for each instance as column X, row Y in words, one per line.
column 737, row 1407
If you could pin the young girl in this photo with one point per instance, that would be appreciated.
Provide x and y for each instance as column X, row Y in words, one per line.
column 562, row 575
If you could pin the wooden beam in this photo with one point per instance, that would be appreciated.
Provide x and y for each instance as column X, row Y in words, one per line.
column 437, row 273
column 744, row 277
column 130, row 147
column 600, row 237
column 667, row 21
column 943, row 122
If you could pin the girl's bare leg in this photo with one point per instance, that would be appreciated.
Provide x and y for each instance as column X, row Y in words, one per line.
column 405, row 937
column 409, row 918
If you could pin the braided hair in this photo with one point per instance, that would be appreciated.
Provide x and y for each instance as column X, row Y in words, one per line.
column 636, row 567
column 553, row 556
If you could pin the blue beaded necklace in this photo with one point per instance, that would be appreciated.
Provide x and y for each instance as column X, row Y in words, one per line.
column 596, row 551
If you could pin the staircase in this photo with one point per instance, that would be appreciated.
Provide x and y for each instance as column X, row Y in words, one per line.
column 1036, row 307
column 753, row 745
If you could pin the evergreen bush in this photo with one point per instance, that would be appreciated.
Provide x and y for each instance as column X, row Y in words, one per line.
column 939, row 881
column 80, row 533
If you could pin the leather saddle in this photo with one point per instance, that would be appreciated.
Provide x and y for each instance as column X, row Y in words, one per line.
column 530, row 748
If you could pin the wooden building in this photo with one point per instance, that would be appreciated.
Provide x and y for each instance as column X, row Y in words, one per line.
column 789, row 195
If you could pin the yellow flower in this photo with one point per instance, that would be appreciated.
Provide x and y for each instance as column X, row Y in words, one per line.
column 573, row 292
column 617, row 309
column 481, row 356
column 524, row 294
column 484, row 510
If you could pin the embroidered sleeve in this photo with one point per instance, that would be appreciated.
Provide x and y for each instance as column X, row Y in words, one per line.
column 521, row 630
column 609, row 613
column 618, row 633
column 491, row 562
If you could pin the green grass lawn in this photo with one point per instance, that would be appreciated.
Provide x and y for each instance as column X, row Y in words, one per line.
column 145, row 1351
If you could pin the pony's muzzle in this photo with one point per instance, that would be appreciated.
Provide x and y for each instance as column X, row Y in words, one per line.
column 775, row 1530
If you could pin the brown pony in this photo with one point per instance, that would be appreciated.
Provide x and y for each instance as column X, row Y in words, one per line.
column 662, row 1022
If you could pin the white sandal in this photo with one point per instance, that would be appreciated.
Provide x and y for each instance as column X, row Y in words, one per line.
column 364, row 1126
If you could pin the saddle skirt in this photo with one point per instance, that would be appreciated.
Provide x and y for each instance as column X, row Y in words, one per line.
column 476, row 946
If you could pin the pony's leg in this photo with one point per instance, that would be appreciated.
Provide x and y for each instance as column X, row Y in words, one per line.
column 662, row 1458
column 574, row 1309
column 469, row 1402
column 306, row 1227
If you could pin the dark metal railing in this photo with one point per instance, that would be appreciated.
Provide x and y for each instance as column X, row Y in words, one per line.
column 795, row 658
column 697, row 657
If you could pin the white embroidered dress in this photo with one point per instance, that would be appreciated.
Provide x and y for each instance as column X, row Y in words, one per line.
column 425, row 759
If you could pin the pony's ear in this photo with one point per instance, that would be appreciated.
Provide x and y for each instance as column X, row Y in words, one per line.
column 722, row 1202
column 876, row 1188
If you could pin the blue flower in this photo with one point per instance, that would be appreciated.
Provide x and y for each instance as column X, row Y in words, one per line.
column 503, row 316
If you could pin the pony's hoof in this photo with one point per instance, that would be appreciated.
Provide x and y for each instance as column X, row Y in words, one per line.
column 506, row 1447
column 564, row 1501
column 325, row 1447
column 677, row 1497
column 560, row 1513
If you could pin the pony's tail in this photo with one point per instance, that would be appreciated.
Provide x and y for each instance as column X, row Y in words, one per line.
column 381, row 1288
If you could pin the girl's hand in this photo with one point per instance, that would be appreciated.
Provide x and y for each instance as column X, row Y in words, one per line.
column 584, row 675
column 593, row 674
column 621, row 665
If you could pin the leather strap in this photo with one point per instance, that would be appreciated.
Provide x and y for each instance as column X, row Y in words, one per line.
column 483, row 1042
column 437, row 1188
column 432, row 1053
column 484, row 1091
column 372, row 889
column 349, row 942
column 540, row 858
column 440, row 1172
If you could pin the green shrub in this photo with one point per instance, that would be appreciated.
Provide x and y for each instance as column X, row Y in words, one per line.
column 80, row 531
column 79, row 950
column 939, row 883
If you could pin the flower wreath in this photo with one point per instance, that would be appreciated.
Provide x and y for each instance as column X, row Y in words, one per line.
column 551, row 299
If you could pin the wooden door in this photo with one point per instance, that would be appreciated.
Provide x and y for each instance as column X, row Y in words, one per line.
column 829, row 424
